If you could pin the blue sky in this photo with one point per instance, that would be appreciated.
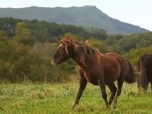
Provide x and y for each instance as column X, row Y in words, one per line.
column 136, row 12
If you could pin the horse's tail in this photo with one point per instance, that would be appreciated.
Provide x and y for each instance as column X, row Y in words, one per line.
column 130, row 78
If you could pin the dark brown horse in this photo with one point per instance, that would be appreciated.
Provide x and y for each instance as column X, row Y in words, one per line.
column 96, row 68
column 144, row 67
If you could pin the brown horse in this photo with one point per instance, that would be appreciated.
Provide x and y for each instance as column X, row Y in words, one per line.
column 144, row 67
column 96, row 68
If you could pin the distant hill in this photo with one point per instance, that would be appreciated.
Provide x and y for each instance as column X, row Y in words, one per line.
column 79, row 16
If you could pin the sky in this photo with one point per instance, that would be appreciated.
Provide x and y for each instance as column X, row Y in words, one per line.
column 136, row 12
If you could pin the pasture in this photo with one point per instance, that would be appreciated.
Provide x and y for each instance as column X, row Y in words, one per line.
column 29, row 98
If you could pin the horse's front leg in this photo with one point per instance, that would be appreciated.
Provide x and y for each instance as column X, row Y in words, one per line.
column 82, row 86
column 101, row 83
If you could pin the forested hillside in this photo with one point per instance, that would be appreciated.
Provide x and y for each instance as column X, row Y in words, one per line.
column 49, row 31
column 79, row 16
column 26, row 48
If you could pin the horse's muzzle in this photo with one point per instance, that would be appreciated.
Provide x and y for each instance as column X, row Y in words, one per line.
column 54, row 62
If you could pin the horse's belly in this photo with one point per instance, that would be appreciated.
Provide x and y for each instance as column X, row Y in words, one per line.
column 109, row 80
column 111, row 77
column 92, row 79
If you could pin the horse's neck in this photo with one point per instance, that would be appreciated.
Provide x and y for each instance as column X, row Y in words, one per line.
column 83, row 60
column 80, row 64
column 84, row 65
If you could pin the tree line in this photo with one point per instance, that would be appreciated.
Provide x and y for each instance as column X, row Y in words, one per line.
column 49, row 31
column 26, row 48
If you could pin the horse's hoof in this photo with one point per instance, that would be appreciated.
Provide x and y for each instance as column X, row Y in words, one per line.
column 114, row 106
column 74, row 106
column 108, row 106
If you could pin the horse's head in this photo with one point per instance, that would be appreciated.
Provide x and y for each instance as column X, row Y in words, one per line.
column 64, row 51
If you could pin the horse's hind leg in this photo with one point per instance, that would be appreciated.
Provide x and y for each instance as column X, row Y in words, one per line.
column 120, row 83
column 151, row 86
column 113, row 89
column 101, row 83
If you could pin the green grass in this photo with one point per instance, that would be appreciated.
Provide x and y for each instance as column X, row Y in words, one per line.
column 59, row 98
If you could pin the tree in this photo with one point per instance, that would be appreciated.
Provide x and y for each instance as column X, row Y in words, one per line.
column 134, row 54
column 100, row 44
column 23, row 34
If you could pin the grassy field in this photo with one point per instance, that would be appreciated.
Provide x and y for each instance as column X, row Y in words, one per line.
column 30, row 98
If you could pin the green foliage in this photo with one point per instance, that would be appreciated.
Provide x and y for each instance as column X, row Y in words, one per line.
column 124, row 43
column 23, row 34
column 45, row 31
column 114, row 39
column 99, row 44
column 20, row 62
column 3, row 36
column 134, row 54
column 135, row 41
column 96, row 33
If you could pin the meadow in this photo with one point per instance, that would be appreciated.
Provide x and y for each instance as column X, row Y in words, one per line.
column 45, row 98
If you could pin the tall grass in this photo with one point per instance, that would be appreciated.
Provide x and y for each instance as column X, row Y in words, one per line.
column 59, row 98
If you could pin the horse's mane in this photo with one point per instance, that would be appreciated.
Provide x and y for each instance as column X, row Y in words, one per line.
column 82, row 50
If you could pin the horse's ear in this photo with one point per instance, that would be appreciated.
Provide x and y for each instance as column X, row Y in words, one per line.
column 70, row 41
column 59, row 38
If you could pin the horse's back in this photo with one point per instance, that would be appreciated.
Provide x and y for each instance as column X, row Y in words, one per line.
column 122, row 61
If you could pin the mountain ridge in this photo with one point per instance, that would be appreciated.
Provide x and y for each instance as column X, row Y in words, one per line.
column 89, row 16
